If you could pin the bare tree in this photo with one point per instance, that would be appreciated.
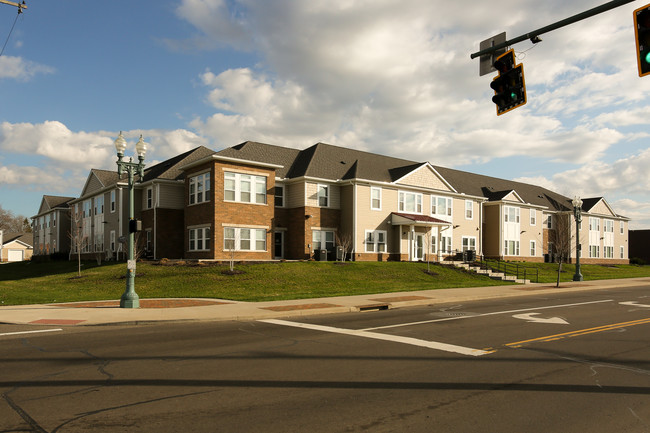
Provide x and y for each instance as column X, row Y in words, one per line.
column 11, row 223
column 560, row 236
column 344, row 240
column 78, row 239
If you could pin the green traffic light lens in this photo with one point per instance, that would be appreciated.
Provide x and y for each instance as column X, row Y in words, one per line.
column 647, row 57
column 513, row 96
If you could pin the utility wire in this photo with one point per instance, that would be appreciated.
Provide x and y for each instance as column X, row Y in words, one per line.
column 10, row 32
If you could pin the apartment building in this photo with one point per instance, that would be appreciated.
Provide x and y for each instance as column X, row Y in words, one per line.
column 256, row 201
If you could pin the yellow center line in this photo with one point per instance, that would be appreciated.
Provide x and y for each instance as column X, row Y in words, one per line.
column 580, row 332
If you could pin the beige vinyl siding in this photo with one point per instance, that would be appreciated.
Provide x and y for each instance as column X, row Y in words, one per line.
column 466, row 228
column 424, row 177
column 311, row 195
column 600, row 209
column 368, row 219
column 294, row 195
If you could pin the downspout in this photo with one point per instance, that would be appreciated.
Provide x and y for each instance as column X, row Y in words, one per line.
column 354, row 221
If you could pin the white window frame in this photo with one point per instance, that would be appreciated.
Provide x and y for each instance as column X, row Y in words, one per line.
column 511, row 248
column 112, row 201
column 622, row 252
column 199, row 239
column 199, row 191
column 375, row 241
column 256, row 188
column 469, row 210
column 516, row 214
column 323, row 195
column 533, row 217
column 468, row 243
column 244, row 239
column 533, row 248
column 149, row 198
column 378, row 192
column 549, row 221
column 417, row 202
column 317, row 237
column 446, row 244
column 622, row 228
column 436, row 202
column 112, row 241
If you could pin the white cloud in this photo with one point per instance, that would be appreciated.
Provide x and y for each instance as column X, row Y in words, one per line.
column 21, row 69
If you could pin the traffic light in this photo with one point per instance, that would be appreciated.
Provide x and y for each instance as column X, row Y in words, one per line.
column 642, row 33
column 509, row 86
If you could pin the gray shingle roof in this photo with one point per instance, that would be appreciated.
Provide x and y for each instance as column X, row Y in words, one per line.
column 325, row 161
column 170, row 169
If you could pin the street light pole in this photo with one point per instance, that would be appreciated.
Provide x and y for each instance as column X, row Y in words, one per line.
column 577, row 213
column 130, row 299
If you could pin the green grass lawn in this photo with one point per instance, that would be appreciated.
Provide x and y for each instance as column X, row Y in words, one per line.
column 47, row 282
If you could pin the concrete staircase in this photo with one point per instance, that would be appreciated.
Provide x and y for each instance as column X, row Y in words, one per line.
column 494, row 275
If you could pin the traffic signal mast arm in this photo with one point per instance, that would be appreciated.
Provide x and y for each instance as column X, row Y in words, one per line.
column 565, row 22
column 20, row 6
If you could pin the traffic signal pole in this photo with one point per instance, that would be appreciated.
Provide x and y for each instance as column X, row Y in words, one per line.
column 565, row 22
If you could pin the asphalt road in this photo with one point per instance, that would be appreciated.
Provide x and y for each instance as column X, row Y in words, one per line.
column 570, row 363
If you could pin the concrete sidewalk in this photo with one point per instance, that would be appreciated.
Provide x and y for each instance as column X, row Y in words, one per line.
column 166, row 310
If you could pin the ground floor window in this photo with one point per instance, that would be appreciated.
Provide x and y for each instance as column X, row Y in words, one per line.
column 375, row 241
column 511, row 248
column 200, row 239
column 594, row 251
column 322, row 239
column 533, row 248
column 469, row 243
column 244, row 239
column 609, row 252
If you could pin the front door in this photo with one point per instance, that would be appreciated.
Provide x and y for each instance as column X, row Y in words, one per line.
column 278, row 245
column 418, row 247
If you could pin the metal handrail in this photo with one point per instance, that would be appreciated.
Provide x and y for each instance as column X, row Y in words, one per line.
column 517, row 270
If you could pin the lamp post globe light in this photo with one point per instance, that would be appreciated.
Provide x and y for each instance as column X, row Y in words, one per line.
column 577, row 213
column 130, row 299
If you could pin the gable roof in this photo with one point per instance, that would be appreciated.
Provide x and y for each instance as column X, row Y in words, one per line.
column 170, row 169
column 51, row 202
column 26, row 239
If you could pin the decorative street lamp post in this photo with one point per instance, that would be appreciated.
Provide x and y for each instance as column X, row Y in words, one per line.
column 577, row 213
column 130, row 299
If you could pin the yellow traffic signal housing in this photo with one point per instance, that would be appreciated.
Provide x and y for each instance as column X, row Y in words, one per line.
column 509, row 86
column 642, row 36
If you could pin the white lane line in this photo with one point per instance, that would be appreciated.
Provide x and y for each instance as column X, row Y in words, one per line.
column 485, row 314
column 30, row 332
column 394, row 338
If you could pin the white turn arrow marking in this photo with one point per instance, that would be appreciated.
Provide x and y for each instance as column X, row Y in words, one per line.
column 529, row 318
column 634, row 304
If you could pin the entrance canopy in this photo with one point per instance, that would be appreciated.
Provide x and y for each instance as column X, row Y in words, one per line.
column 407, row 219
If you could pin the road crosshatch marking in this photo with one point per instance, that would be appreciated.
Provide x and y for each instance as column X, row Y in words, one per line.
column 386, row 337
column 578, row 333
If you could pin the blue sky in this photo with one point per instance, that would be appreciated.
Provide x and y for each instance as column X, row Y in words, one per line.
column 385, row 76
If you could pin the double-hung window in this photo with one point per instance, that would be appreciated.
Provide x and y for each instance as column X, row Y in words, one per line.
column 511, row 248
column 375, row 198
column 323, row 195
column 279, row 196
column 200, row 188
column 375, row 241
column 511, row 214
column 200, row 239
column 410, row 202
column 469, row 243
column 244, row 188
column 469, row 209
column 533, row 217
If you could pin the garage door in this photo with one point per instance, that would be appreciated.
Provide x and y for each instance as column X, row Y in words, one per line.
column 16, row 255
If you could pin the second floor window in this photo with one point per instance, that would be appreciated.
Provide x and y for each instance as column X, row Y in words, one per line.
column 200, row 188
column 410, row 202
column 245, row 188
column 323, row 195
